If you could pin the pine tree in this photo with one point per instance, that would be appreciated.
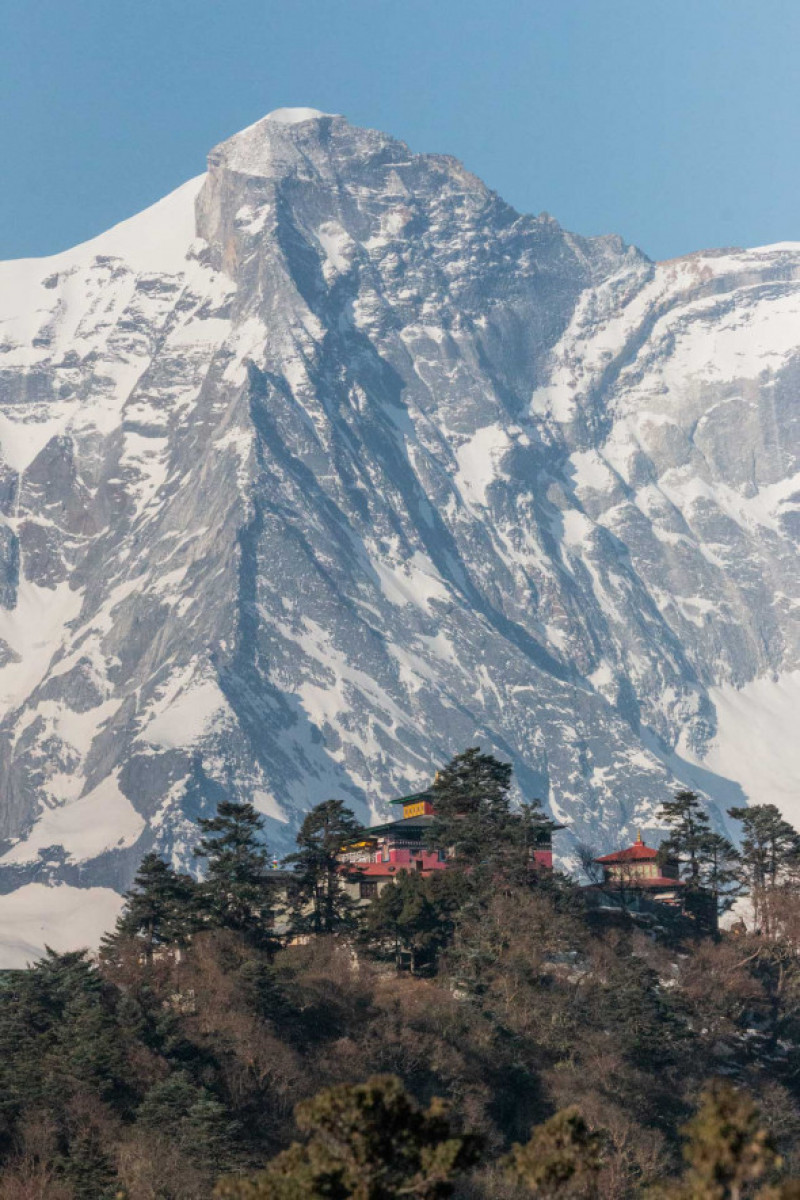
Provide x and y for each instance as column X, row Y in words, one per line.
column 689, row 828
column 528, row 829
column 88, row 1166
column 769, row 859
column 368, row 1141
column 477, row 828
column 562, row 1159
column 320, row 903
column 381, row 926
column 720, row 870
column 645, row 1021
column 63, row 1054
column 413, row 916
column 472, row 807
column 68, row 1030
column 189, row 1116
column 708, row 861
column 158, row 908
column 238, row 890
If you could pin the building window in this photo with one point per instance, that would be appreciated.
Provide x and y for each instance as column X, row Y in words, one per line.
column 368, row 889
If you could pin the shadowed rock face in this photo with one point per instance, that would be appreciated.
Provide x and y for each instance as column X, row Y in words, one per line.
column 332, row 464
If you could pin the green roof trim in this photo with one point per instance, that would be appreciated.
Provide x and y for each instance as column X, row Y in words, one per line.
column 414, row 798
column 408, row 824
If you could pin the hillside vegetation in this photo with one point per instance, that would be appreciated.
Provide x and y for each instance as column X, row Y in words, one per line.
column 479, row 1033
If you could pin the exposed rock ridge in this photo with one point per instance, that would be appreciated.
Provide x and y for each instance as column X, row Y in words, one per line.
column 332, row 463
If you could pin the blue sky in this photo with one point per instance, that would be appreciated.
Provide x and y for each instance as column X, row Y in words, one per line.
column 671, row 122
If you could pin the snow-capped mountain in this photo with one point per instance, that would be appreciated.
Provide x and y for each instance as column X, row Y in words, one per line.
column 331, row 464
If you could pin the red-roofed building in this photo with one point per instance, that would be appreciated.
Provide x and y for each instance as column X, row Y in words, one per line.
column 642, row 868
column 373, row 859
column 376, row 857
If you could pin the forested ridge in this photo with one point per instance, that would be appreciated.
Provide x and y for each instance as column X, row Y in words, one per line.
column 480, row 1032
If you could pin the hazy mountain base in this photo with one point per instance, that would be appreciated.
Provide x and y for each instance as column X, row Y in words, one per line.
column 358, row 465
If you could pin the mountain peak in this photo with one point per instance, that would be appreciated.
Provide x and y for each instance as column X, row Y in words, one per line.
column 364, row 467
column 294, row 116
column 275, row 142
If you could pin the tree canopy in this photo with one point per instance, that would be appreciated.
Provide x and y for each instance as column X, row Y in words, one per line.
column 238, row 889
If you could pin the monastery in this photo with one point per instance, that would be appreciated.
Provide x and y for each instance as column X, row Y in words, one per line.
column 371, row 862
column 641, row 868
column 636, row 878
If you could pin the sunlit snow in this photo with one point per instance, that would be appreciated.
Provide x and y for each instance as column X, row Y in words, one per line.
column 61, row 917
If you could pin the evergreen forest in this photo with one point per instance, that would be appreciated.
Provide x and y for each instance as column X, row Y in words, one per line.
column 481, row 1032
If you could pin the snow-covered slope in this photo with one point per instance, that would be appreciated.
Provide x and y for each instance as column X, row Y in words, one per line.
column 331, row 464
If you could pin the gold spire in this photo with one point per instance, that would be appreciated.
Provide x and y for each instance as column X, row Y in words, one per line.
column 639, row 841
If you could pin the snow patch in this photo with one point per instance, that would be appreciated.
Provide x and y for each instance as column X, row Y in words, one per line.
column 295, row 116
column 266, row 803
column 156, row 239
column 592, row 471
column 210, row 331
column 338, row 247
column 187, row 714
column 62, row 917
column 22, row 441
column 757, row 741
column 478, row 460
column 415, row 581
column 34, row 630
column 104, row 819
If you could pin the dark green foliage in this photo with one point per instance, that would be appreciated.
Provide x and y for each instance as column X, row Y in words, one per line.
column 642, row 1017
column 709, row 862
column 476, row 826
column 689, row 827
column 721, row 871
column 318, row 899
column 413, row 919
column 238, row 890
column 60, row 1053
column 187, row 1115
column 159, row 908
column 62, row 1015
column 769, row 859
column 471, row 802
column 152, row 1073
column 87, row 1166
column 369, row 1141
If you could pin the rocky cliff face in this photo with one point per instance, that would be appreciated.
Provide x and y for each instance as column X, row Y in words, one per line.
column 331, row 464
